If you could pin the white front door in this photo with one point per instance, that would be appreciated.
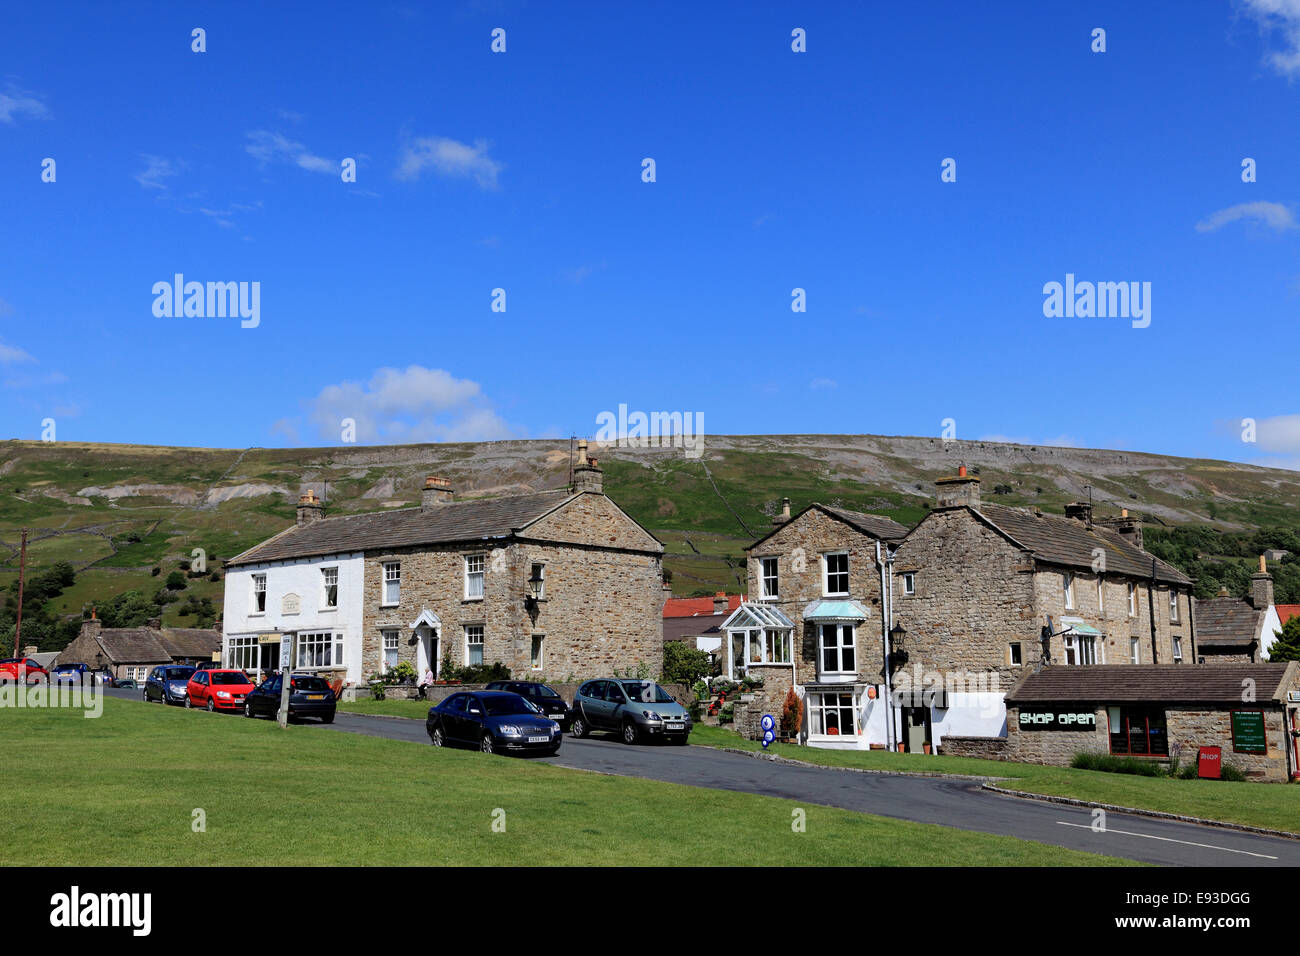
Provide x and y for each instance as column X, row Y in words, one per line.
column 426, row 651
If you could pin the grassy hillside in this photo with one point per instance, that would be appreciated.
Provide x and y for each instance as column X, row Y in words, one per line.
column 116, row 512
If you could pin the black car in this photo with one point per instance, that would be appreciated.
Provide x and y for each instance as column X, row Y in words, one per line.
column 167, row 684
column 540, row 696
column 309, row 696
column 494, row 721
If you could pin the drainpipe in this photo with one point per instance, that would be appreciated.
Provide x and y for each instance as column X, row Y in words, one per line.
column 886, row 593
column 1191, row 623
column 1151, row 611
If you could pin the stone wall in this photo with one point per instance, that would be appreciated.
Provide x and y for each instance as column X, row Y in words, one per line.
column 985, row 748
column 1054, row 747
column 440, row 692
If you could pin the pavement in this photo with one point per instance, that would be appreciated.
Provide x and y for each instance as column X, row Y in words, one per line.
column 949, row 802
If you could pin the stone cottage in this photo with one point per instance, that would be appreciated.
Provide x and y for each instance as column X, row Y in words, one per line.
column 131, row 652
column 1239, row 630
column 986, row 592
column 556, row 584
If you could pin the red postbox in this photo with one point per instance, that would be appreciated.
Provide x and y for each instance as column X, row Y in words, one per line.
column 1209, row 762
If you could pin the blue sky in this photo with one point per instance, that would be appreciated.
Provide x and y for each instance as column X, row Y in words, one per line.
column 775, row 170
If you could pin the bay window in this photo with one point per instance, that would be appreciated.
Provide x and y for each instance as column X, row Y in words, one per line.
column 832, row 715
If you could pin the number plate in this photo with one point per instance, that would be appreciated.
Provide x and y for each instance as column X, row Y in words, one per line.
column 539, row 740
column 676, row 726
column 315, row 696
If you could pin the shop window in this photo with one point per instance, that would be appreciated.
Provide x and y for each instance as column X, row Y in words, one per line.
column 1138, row 732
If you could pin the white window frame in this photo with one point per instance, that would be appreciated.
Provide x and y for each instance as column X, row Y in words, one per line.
column 826, row 574
column 1132, row 599
column 475, row 630
column 390, row 640
column 818, row 707
column 1135, row 650
column 326, row 648
column 1173, row 606
column 1019, row 651
column 326, row 584
column 1101, row 595
column 774, row 592
column 839, row 649
column 243, row 652
column 1078, row 643
column 909, row 583
column 1178, row 648
column 478, row 575
column 539, row 652
column 1067, row 589
column 390, row 574
column 259, row 588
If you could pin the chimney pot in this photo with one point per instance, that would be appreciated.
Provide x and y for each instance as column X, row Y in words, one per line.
column 437, row 491
column 587, row 476
column 961, row 491
column 310, row 508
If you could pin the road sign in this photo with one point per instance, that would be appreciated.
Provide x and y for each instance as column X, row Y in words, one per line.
column 768, row 723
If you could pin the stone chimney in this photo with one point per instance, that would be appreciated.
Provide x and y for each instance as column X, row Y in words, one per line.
column 310, row 508
column 784, row 516
column 154, row 623
column 1261, row 586
column 92, row 627
column 30, row 649
column 962, row 490
column 1130, row 526
column 720, row 602
column 1079, row 511
column 587, row 475
column 437, row 491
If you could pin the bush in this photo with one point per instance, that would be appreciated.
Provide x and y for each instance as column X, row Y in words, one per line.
column 727, row 715
column 1109, row 763
column 791, row 714
column 175, row 581
column 403, row 673
column 1230, row 773
column 684, row 664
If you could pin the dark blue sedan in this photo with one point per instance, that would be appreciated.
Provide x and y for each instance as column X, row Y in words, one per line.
column 167, row 684
column 495, row 722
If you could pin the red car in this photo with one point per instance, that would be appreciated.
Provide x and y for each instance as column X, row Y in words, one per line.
column 24, row 669
column 218, row 690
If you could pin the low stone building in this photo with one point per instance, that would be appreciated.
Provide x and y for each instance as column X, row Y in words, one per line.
column 556, row 584
column 131, row 652
column 1239, row 630
column 1156, row 712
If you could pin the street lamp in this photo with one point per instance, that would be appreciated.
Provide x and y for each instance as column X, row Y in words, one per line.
column 897, row 646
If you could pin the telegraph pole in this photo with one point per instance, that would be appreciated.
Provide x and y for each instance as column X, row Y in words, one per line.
column 22, row 571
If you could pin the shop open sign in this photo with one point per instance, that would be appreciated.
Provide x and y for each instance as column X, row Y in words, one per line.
column 1050, row 718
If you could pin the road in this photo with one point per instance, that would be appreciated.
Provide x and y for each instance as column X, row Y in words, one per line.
column 954, row 803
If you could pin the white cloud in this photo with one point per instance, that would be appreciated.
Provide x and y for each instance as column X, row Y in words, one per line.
column 156, row 169
column 448, row 157
column 16, row 102
column 819, row 383
column 11, row 355
column 1276, row 216
column 414, row 404
column 1279, row 435
column 1282, row 17
column 268, row 147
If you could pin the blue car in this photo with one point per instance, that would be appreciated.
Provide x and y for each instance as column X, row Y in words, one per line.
column 167, row 684
column 495, row 722
column 72, row 674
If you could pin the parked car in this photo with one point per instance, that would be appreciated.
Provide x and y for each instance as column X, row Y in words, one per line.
column 105, row 676
column 218, row 690
column 208, row 666
column 167, row 684
column 125, row 683
column 540, row 696
column 309, row 696
column 636, row 709
column 72, row 674
column 24, row 669
column 496, row 721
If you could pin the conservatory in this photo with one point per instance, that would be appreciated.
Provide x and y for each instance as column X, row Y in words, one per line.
column 757, row 634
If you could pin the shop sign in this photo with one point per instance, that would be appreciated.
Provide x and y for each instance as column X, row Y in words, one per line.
column 1056, row 718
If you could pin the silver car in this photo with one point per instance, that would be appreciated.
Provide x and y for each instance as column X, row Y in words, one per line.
column 636, row 709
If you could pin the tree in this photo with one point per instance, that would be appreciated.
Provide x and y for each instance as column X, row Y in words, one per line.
column 1287, row 645
column 684, row 664
column 176, row 581
column 128, row 609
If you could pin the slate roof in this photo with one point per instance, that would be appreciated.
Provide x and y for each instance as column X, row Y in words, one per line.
column 133, row 645
column 1056, row 539
column 191, row 641
column 680, row 628
column 875, row 526
column 1228, row 622
column 472, row 520
column 1154, row 683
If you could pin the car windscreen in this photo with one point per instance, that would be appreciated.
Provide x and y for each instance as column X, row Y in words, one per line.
column 543, row 691
column 178, row 673
column 229, row 677
column 505, row 705
column 646, row 692
column 310, row 684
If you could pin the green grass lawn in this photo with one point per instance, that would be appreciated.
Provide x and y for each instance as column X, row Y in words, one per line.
column 1276, row 806
column 122, row 790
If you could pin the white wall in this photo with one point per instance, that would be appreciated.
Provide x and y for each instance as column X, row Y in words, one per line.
column 1268, row 633
column 970, row 715
column 303, row 578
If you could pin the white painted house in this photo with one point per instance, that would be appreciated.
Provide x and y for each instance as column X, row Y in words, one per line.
column 318, row 599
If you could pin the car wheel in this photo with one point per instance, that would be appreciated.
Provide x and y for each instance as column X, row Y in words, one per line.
column 189, row 704
column 682, row 741
column 487, row 744
column 212, row 707
column 553, row 751
column 437, row 738
column 248, row 710
column 578, row 727
column 327, row 719
column 630, row 733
